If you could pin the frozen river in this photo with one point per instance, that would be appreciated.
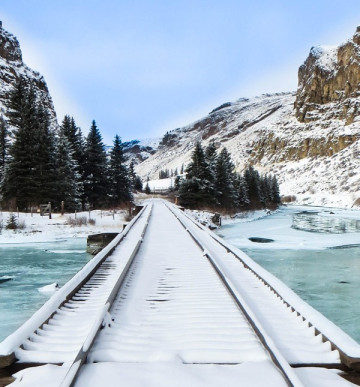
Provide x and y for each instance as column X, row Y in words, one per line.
column 315, row 251
column 26, row 268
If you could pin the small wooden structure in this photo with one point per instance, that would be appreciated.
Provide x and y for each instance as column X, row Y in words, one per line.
column 96, row 242
column 45, row 209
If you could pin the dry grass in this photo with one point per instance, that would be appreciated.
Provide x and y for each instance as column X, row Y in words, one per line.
column 78, row 221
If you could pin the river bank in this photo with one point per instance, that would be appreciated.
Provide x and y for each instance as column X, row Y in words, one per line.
column 34, row 228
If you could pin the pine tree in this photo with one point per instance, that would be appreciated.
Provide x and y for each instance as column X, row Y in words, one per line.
column 132, row 175
column 147, row 187
column 138, row 184
column 252, row 179
column 21, row 180
column 275, row 190
column 197, row 189
column 225, row 191
column 120, row 186
column 69, row 185
column 77, row 145
column 211, row 157
column 242, row 196
column 95, row 169
column 45, row 161
column 4, row 147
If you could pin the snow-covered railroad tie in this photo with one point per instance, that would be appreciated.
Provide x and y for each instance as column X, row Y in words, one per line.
column 189, row 310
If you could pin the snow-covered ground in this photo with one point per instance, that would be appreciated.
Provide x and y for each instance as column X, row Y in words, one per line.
column 37, row 228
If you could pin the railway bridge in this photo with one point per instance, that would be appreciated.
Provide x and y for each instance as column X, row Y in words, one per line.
column 169, row 303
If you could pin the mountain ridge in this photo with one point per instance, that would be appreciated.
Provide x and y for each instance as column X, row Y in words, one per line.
column 308, row 139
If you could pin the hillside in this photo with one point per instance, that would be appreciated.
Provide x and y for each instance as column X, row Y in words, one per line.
column 309, row 139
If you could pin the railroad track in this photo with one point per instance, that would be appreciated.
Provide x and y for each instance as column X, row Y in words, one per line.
column 155, row 298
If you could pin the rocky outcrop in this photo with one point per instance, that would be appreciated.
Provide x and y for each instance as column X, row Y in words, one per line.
column 330, row 75
column 12, row 68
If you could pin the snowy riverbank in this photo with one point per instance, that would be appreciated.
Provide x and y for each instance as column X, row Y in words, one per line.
column 37, row 228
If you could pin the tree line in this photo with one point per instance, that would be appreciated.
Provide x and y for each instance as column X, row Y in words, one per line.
column 211, row 182
column 39, row 164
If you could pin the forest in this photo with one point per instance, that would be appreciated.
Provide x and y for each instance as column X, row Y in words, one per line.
column 39, row 164
column 210, row 182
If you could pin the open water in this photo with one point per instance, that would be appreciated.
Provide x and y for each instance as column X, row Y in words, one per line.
column 24, row 268
column 323, row 264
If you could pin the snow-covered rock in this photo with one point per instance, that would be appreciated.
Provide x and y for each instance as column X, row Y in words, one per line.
column 12, row 68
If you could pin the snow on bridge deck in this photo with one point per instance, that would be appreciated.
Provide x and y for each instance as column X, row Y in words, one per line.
column 177, row 321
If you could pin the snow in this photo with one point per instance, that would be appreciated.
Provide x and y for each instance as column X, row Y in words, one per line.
column 161, row 184
column 173, row 310
column 26, row 330
column 278, row 228
column 326, row 56
column 42, row 229
column 51, row 288
column 330, row 330
column 264, row 131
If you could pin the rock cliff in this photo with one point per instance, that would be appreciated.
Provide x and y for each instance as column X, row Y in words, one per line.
column 12, row 68
column 330, row 75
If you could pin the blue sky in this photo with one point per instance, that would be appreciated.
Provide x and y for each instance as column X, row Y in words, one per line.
column 140, row 68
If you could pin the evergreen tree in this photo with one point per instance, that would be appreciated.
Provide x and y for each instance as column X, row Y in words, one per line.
column 198, row 188
column 211, row 158
column 132, row 175
column 4, row 147
column 147, row 187
column 225, row 191
column 76, row 142
column 120, row 186
column 21, row 180
column 177, row 183
column 138, row 184
column 16, row 105
column 252, row 179
column 242, row 196
column 45, row 181
column 275, row 190
column 95, row 169
column 69, row 185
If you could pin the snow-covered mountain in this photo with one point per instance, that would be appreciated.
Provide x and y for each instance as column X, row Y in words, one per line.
column 309, row 139
column 12, row 68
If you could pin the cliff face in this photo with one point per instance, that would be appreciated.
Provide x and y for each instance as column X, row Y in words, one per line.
column 330, row 75
column 12, row 68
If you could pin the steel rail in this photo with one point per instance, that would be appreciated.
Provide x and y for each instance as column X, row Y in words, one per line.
column 74, row 369
column 348, row 361
column 288, row 374
column 66, row 293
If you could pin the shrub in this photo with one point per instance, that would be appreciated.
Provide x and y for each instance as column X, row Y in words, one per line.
column 92, row 221
column 288, row 199
column 12, row 222
column 21, row 225
column 79, row 221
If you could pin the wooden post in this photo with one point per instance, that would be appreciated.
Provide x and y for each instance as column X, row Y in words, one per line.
column 62, row 208
column 49, row 210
